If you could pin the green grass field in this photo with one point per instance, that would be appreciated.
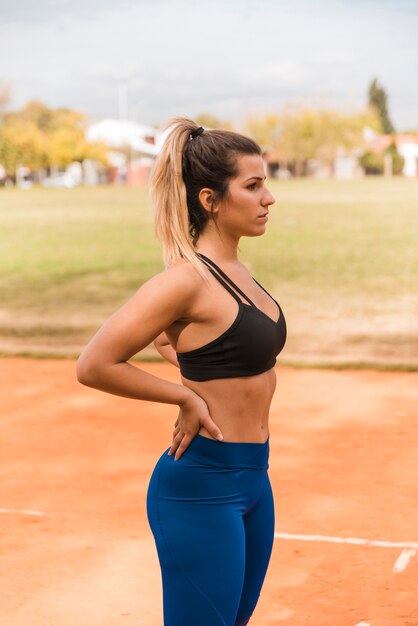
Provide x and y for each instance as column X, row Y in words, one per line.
column 340, row 256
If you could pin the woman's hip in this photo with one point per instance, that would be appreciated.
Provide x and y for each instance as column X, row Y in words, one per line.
column 210, row 473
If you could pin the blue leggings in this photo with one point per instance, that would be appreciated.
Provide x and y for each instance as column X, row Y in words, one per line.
column 212, row 517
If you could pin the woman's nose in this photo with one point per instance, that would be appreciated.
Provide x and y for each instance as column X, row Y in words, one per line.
column 269, row 198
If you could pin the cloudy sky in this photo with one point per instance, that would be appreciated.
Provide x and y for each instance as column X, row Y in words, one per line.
column 226, row 57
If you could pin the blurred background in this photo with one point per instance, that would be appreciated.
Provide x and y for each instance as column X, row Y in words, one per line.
column 328, row 90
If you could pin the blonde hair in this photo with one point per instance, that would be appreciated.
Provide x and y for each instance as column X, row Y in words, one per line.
column 183, row 167
column 168, row 194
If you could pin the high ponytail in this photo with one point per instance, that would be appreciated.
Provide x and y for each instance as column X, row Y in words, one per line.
column 169, row 197
column 184, row 166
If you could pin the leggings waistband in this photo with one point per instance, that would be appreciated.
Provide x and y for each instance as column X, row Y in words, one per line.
column 229, row 453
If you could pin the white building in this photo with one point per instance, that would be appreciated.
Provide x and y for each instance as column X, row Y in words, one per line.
column 135, row 148
column 124, row 133
column 408, row 148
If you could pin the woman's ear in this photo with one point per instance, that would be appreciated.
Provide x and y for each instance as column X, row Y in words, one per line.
column 207, row 200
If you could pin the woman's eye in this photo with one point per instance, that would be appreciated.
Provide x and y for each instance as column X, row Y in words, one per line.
column 253, row 186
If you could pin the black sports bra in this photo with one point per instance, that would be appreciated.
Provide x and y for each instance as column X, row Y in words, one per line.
column 248, row 347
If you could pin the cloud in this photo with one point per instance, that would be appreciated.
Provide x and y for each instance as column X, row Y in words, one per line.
column 42, row 11
column 288, row 72
column 29, row 12
column 218, row 56
column 399, row 6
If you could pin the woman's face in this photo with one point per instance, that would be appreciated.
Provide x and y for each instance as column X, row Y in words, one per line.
column 243, row 211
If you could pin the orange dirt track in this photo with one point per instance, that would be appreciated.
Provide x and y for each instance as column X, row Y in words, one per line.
column 76, row 548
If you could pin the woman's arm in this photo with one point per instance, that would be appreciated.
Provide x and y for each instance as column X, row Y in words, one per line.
column 103, row 365
column 164, row 347
column 154, row 307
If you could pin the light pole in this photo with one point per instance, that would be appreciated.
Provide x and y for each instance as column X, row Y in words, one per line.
column 133, row 111
column 124, row 80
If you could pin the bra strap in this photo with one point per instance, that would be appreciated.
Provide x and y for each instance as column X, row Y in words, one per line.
column 205, row 258
column 269, row 294
column 223, row 283
column 280, row 308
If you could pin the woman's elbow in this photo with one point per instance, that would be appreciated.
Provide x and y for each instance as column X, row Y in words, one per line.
column 82, row 374
column 86, row 372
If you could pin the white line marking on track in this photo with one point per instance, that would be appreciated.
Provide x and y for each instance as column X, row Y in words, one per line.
column 363, row 624
column 403, row 560
column 23, row 512
column 351, row 540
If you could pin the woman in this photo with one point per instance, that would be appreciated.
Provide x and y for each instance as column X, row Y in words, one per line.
column 209, row 502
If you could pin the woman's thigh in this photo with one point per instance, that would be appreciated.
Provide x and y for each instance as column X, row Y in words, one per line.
column 259, row 538
column 197, row 523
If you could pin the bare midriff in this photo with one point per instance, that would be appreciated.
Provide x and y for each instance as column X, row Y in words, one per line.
column 238, row 406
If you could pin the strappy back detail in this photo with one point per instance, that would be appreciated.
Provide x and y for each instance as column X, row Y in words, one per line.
column 247, row 348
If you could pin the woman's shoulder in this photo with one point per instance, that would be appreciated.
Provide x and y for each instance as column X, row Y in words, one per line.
column 183, row 269
column 178, row 285
column 182, row 276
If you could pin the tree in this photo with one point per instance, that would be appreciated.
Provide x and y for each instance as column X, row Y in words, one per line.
column 300, row 133
column 265, row 130
column 207, row 120
column 398, row 161
column 4, row 98
column 21, row 144
column 378, row 100
column 297, row 140
column 39, row 137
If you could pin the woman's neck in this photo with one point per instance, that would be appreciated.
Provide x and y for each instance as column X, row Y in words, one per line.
column 223, row 250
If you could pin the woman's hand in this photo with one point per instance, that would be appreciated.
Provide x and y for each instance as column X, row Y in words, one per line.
column 193, row 414
column 164, row 347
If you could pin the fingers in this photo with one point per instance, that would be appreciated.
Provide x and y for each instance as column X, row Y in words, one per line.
column 176, row 438
column 214, row 430
column 181, row 441
column 184, row 444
